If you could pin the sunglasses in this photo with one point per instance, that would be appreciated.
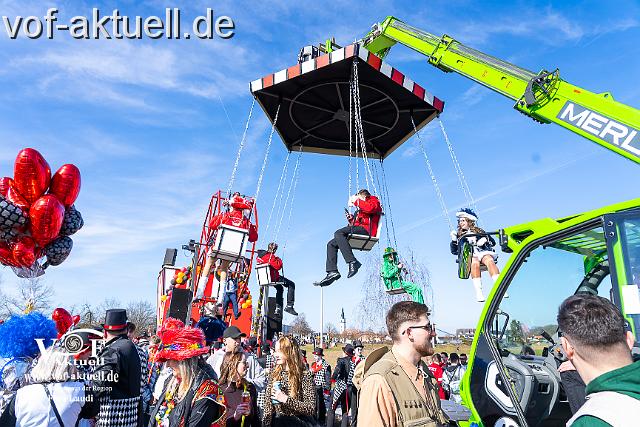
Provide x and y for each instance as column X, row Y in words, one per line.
column 428, row 327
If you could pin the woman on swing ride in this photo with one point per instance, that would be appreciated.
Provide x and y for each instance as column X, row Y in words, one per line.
column 482, row 248
column 391, row 273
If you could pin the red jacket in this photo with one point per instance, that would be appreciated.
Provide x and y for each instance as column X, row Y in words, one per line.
column 368, row 215
column 235, row 218
column 275, row 263
column 437, row 372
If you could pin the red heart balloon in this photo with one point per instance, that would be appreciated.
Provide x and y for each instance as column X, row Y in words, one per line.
column 14, row 196
column 6, row 255
column 46, row 216
column 65, row 184
column 62, row 319
column 75, row 319
column 31, row 174
column 4, row 185
column 23, row 250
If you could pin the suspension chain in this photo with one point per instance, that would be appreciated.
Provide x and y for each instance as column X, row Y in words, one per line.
column 242, row 141
column 275, row 199
column 286, row 202
column 461, row 179
column 296, row 176
column 266, row 157
column 445, row 211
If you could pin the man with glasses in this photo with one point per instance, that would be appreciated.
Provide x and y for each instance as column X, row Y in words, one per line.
column 398, row 388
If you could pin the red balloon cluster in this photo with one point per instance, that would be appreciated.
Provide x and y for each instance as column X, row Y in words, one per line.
column 33, row 205
column 63, row 320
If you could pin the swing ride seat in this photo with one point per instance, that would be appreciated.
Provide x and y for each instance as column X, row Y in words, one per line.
column 263, row 273
column 229, row 243
column 364, row 242
column 396, row 291
column 314, row 96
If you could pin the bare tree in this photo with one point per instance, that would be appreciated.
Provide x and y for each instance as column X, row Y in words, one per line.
column 31, row 292
column 375, row 302
column 142, row 314
column 330, row 330
column 300, row 326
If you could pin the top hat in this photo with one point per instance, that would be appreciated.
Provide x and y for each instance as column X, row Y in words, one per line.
column 358, row 343
column 349, row 349
column 467, row 213
column 115, row 320
column 318, row 351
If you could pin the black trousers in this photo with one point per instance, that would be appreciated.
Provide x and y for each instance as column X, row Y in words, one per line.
column 353, row 403
column 342, row 402
column 291, row 291
column 320, row 406
column 341, row 242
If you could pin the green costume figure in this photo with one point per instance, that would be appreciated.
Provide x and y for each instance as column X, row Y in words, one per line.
column 392, row 276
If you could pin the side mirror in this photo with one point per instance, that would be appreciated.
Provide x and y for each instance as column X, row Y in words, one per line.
column 465, row 251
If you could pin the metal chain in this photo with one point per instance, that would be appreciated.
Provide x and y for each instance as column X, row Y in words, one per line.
column 445, row 211
column 286, row 202
column 242, row 141
column 350, row 137
column 461, row 179
column 359, row 128
column 275, row 199
column 386, row 189
column 266, row 157
column 293, row 198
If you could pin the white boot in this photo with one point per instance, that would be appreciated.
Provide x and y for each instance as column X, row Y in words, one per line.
column 202, row 284
column 477, row 284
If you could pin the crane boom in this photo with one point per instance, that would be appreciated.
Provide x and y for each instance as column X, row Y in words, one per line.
column 544, row 96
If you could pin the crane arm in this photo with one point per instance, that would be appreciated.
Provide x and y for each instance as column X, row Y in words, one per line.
column 544, row 96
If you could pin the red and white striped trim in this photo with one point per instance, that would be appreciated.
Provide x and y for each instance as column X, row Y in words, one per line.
column 340, row 55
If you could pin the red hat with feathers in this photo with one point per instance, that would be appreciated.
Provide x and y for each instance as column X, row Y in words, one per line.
column 179, row 342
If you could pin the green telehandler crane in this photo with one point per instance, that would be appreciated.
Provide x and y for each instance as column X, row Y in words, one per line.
column 596, row 252
column 544, row 96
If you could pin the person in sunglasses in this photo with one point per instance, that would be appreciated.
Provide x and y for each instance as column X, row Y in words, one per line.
column 398, row 388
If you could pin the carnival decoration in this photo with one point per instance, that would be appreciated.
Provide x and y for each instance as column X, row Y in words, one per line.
column 63, row 320
column 181, row 277
column 37, row 214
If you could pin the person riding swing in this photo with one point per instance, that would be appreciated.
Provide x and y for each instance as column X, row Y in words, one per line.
column 364, row 221
column 275, row 265
column 238, row 215
column 482, row 245
column 391, row 273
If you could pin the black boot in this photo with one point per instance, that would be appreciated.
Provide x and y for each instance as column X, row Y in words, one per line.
column 353, row 268
column 331, row 277
column 289, row 309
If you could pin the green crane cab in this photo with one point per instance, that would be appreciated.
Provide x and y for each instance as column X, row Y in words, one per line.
column 597, row 252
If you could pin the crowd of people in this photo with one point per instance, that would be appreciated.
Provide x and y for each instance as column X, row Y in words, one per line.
column 181, row 377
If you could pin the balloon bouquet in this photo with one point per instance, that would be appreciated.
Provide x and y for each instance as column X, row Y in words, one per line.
column 37, row 214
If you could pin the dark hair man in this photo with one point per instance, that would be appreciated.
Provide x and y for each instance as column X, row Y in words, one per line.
column 595, row 338
column 118, row 375
column 398, row 388
column 340, row 392
column 275, row 265
column 365, row 221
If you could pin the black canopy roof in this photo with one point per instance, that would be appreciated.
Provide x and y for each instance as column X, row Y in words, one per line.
column 314, row 98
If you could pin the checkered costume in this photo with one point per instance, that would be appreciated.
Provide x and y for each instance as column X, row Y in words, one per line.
column 146, row 392
column 322, row 376
column 269, row 364
column 118, row 412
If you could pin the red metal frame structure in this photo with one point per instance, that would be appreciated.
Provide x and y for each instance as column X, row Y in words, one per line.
column 216, row 206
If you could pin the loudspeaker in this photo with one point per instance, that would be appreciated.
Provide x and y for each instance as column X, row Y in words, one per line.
column 179, row 308
column 170, row 257
column 274, row 322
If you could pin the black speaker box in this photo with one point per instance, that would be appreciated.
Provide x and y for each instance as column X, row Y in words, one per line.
column 274, row 322
column 180, row 304
column 170, row 257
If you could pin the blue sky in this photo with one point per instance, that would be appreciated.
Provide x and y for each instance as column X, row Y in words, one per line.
column 144, row 121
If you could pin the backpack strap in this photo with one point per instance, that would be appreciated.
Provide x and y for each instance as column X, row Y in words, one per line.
column 616, row 409
column 53, row 405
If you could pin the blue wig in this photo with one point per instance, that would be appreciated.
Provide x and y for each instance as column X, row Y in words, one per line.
column 18, row 335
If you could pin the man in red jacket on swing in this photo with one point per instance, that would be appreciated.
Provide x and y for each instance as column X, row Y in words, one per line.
column 365, row 221
column 275, row 265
